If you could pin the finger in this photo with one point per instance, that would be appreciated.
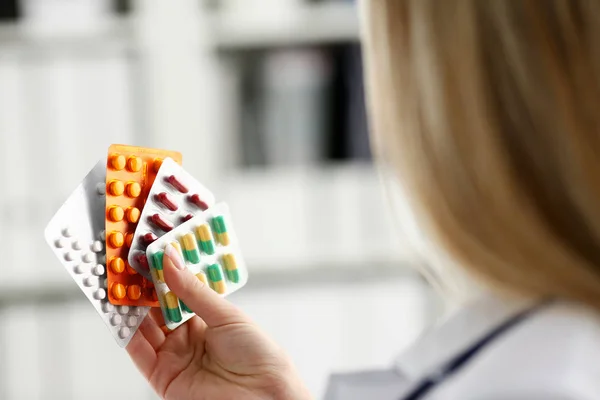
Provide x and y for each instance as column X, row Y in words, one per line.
column 202, row 300
column 142, row 354
column 152, row 332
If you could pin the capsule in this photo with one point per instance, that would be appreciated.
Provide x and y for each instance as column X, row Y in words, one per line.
column 162, row 223
column 157, row 260
column 142, row 260
column 190, row 250
column 202, row 278
column 184, row 307
column 198, row 202
column 216, row 278
column 231, row 269
column 177, row 184
column 220, row 230
column 186, row 218
column 149, row 238
column 166, row 200
column 205, row 240
column 172, row 311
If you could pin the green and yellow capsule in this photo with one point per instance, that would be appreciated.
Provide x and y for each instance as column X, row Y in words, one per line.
column 231, row 268
column 202, row 278
column 184, row 307
column 157, row 266
column 215, row 276
column 205, row 240
column 220, row 229
column 173, row 312
column 190, row 250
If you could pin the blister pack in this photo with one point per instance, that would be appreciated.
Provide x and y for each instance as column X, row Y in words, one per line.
column 175, row 197
column 130, row 173
column 76, row 235
column 210, row 249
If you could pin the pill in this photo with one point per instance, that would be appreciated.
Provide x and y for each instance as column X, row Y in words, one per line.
column 97, row 246
column 202, row 278
column 118, row 291
column 162, row 223
column 216, row 278
column 177, row 184
column 100, row 294
column 220, row 230
column 130, row 270
column 157, row 261
column 61, row 243
column 136, row 311
column 128, row 239
column 142, row 260
column 172, row 311
column 77, row 245
column 184, row 307
column 117, row 265
column 134, row 164
column 117, row 161
column 69, row 256
column 123, row 310
column 67, row 232
column 98, row 270
column 198, row 202
column 91, row 281
column 115, row 187
column 134, row 292
column 157, row 163
column 231, row 268
column 124, row 332
column 186, row 218
column 149, row 238
column 205, row 240
column 79, row 268
column 131, row 321
column 116, row 239
column 116, row 319
column 115, row 213
column 190, row 250
column 101, row 189
column 132, row 214
column 133, row 189
column 167, row 200
column 88, row 257
column 107, row 307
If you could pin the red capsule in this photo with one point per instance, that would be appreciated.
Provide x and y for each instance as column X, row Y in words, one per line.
column 162, row 223
column 166, row 200
column 142, row 261
column 197, row 201
column 186, row 218
column 177, row 184
column 149, row 238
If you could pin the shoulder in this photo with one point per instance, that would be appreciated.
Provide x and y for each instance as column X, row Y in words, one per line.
column 554, row 354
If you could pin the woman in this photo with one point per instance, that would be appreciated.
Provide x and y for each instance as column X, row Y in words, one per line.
column 488, row 113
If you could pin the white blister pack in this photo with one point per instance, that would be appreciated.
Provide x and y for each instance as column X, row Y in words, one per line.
column 209, row 247
column 175, row 197
column 76, row 236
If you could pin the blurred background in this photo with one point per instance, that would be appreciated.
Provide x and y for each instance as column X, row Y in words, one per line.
column 265, row 100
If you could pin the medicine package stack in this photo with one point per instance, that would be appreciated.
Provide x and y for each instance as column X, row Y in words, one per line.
column 111, row 233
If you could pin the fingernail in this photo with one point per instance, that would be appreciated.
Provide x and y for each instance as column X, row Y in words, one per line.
column 173, row 255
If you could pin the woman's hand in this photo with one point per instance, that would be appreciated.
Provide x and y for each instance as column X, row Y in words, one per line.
column 218, row 354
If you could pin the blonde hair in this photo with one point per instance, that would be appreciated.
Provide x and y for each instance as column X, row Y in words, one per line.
column 489, row 113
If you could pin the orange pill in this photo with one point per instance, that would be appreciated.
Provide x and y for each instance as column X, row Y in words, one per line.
column 134, row 292
column 115, row 187
column 134, row 163
column 117, row 265
column 156, row 164
column 128, row 239
column 130, row 270
column 118, row 291
column 117, row 161
column 115, row 213
column 133, row 189
column 132, row 214
column 116, row 239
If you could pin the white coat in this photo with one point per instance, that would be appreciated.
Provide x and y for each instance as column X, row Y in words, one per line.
column 554, row 353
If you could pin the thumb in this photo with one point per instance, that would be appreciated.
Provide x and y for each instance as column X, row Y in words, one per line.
column 197, row 295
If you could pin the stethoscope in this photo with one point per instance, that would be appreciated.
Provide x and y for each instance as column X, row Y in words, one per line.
column 455, row 364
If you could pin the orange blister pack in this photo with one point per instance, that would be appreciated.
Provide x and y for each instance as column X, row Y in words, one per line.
column 130, row 172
